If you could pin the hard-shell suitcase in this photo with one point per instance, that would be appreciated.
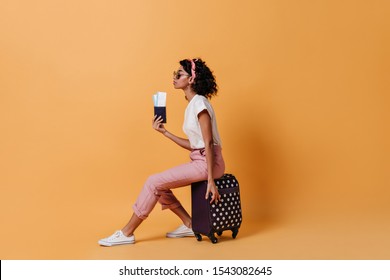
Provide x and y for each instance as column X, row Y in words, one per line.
column 208, row 219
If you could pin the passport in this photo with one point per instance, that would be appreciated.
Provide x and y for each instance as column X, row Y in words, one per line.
column 160, row 103
column 161, row 111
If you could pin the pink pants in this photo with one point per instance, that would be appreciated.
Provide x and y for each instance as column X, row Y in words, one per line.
column 158, row 187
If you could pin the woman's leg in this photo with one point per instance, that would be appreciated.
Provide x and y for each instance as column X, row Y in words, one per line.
column 132, row 225
column 153, row 192
column 135, row 221
column 183, row 215
column 158, row 188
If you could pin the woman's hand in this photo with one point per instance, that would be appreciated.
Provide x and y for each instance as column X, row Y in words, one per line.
column 158, row 125
column 211, row 188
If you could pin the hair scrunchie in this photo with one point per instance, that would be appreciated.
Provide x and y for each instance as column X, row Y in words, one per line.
column 193, row 74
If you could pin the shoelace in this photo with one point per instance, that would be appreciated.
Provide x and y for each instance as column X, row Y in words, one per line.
column 115, row 235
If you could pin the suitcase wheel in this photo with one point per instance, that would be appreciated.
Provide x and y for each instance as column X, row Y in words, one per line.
column 198, row 237
column 234, row 232
column 212, row 238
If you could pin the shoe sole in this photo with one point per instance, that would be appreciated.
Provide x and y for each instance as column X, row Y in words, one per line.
column 180, row 235
column 107, row 244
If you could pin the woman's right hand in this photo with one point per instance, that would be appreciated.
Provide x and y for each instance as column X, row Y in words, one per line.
column 158, row 125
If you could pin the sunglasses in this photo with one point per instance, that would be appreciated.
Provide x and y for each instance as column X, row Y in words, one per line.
column 177, row 75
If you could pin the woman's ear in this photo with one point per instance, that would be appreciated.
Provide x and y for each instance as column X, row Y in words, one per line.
column 191, row 80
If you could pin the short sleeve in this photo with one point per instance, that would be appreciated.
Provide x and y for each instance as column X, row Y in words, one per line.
column 199, row 106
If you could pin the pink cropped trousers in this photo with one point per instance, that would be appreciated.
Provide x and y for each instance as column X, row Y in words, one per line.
column 157, row 187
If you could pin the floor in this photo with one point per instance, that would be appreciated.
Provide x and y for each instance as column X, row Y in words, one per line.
column 299, row 240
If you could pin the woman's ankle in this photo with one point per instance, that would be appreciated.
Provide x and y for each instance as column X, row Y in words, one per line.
column 127, row 233
column 188, row 224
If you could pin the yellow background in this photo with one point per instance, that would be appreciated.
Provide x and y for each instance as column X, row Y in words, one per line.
column 303, row 112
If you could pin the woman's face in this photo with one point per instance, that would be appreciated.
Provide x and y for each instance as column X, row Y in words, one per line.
column 180, row 79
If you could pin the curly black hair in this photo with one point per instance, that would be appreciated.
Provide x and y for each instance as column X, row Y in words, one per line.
column 204, row 83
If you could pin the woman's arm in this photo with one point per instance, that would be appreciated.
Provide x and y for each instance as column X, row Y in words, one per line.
column 207, row 133
column 158, row 125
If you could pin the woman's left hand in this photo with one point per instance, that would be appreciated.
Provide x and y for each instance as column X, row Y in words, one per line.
column 211, row 188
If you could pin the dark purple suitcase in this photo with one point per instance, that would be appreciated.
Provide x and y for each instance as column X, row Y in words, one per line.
column 208, row 219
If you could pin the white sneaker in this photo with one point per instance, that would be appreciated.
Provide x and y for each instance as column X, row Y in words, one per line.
column 181, row 231
column 118, row 238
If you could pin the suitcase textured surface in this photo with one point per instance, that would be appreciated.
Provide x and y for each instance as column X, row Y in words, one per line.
column 208, row 219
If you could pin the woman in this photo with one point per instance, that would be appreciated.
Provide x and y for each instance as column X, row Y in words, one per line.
column 198, row 84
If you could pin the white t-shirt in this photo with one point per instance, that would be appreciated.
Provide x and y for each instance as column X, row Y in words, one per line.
column 191, row 126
